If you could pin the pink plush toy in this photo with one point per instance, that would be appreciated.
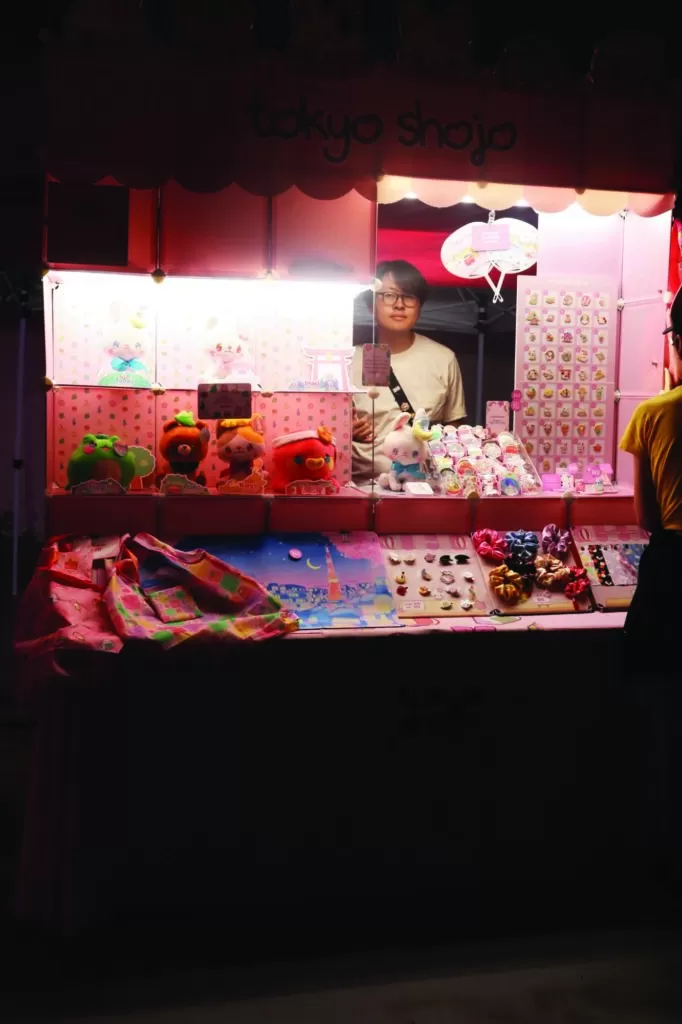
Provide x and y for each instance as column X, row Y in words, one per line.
column 406, row 447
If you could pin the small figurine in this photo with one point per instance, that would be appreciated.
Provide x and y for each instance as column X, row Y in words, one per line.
column 126, row 361
column 184, row 446
column 229, row 355
column 406, row 447
column 126, row 366
column 240, row 443
column 301, row 456
column 101, row 457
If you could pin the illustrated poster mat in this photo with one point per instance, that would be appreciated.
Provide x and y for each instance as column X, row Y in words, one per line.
column 565, row 370
column 413, row 605
column 339, row 582
column 611, row 556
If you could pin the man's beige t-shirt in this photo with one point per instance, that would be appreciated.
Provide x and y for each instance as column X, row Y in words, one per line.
column 429, row 375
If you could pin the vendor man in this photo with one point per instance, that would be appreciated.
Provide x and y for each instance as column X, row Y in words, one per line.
column 426, row 375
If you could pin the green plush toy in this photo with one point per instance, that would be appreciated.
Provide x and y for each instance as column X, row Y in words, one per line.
column 101, row 457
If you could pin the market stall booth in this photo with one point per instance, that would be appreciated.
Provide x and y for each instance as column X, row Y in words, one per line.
column 205, row 301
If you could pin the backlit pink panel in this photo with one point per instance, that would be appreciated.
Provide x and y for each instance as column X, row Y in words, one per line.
column 641, row 349
column 288, row 411
column 97, row 317
column 338, row 233
column 624, row 462
column 214, row 233
column 77, row 411
column 264, row 324
column 283, row 412
column 646, row 246
column 575, row 243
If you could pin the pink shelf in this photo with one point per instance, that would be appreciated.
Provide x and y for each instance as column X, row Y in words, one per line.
column 211, row 515
column 173, row 515
column 402, row 513
column 345, row 511
column 101, row 514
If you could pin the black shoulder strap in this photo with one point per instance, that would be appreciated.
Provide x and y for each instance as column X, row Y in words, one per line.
column 402, row 401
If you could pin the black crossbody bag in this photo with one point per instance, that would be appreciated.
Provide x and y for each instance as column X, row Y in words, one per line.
column 402, row 401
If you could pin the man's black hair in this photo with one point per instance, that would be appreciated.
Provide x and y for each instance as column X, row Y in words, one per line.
column 406, row 276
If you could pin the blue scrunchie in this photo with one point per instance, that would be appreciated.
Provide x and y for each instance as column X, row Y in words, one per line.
column 522, row 545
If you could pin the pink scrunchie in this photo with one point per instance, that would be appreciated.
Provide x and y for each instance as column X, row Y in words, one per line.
column 490, row 544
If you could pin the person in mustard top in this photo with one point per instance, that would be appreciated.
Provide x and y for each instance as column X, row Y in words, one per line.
column 654, row 438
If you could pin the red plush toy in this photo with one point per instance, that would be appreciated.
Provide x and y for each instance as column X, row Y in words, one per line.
column 302, row 455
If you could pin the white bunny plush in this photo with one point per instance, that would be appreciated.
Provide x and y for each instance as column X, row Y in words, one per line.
column 406, row 448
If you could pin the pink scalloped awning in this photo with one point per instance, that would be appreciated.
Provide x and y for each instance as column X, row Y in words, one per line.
column 544, row 199
column 267, row 126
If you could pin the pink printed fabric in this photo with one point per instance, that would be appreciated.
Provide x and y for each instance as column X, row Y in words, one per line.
column 233, row 606
column 82, row 599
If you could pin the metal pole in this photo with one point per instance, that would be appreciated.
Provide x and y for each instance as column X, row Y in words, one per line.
column 18, row 459
column 480, row 355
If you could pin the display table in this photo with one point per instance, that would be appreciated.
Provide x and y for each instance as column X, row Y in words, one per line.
column 334, row 768
column 342, row 779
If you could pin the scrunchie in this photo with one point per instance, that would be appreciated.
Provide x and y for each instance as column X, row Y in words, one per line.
column 523, row 547
column 578, row 583
column 555, row 541
column 506, row 584
column 551, row 573
column 490, row 544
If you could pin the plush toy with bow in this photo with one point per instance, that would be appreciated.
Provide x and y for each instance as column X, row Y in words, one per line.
column 406, row 448
column 304, row 455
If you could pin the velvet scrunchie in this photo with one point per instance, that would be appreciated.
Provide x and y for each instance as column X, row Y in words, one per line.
column 490, row 544
column 551, row 573
column 555, row 541
column 506, row 584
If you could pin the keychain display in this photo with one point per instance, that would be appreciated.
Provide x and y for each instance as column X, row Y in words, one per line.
column 469, row 461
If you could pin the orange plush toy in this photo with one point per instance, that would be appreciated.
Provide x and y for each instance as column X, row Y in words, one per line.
column 184, row 446
column 302, row 455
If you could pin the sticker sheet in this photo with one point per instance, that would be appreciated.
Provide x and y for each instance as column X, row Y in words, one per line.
column 611, row 557
column 565, row 363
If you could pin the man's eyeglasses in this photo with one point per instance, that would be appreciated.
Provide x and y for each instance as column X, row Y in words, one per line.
column 391, row 298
